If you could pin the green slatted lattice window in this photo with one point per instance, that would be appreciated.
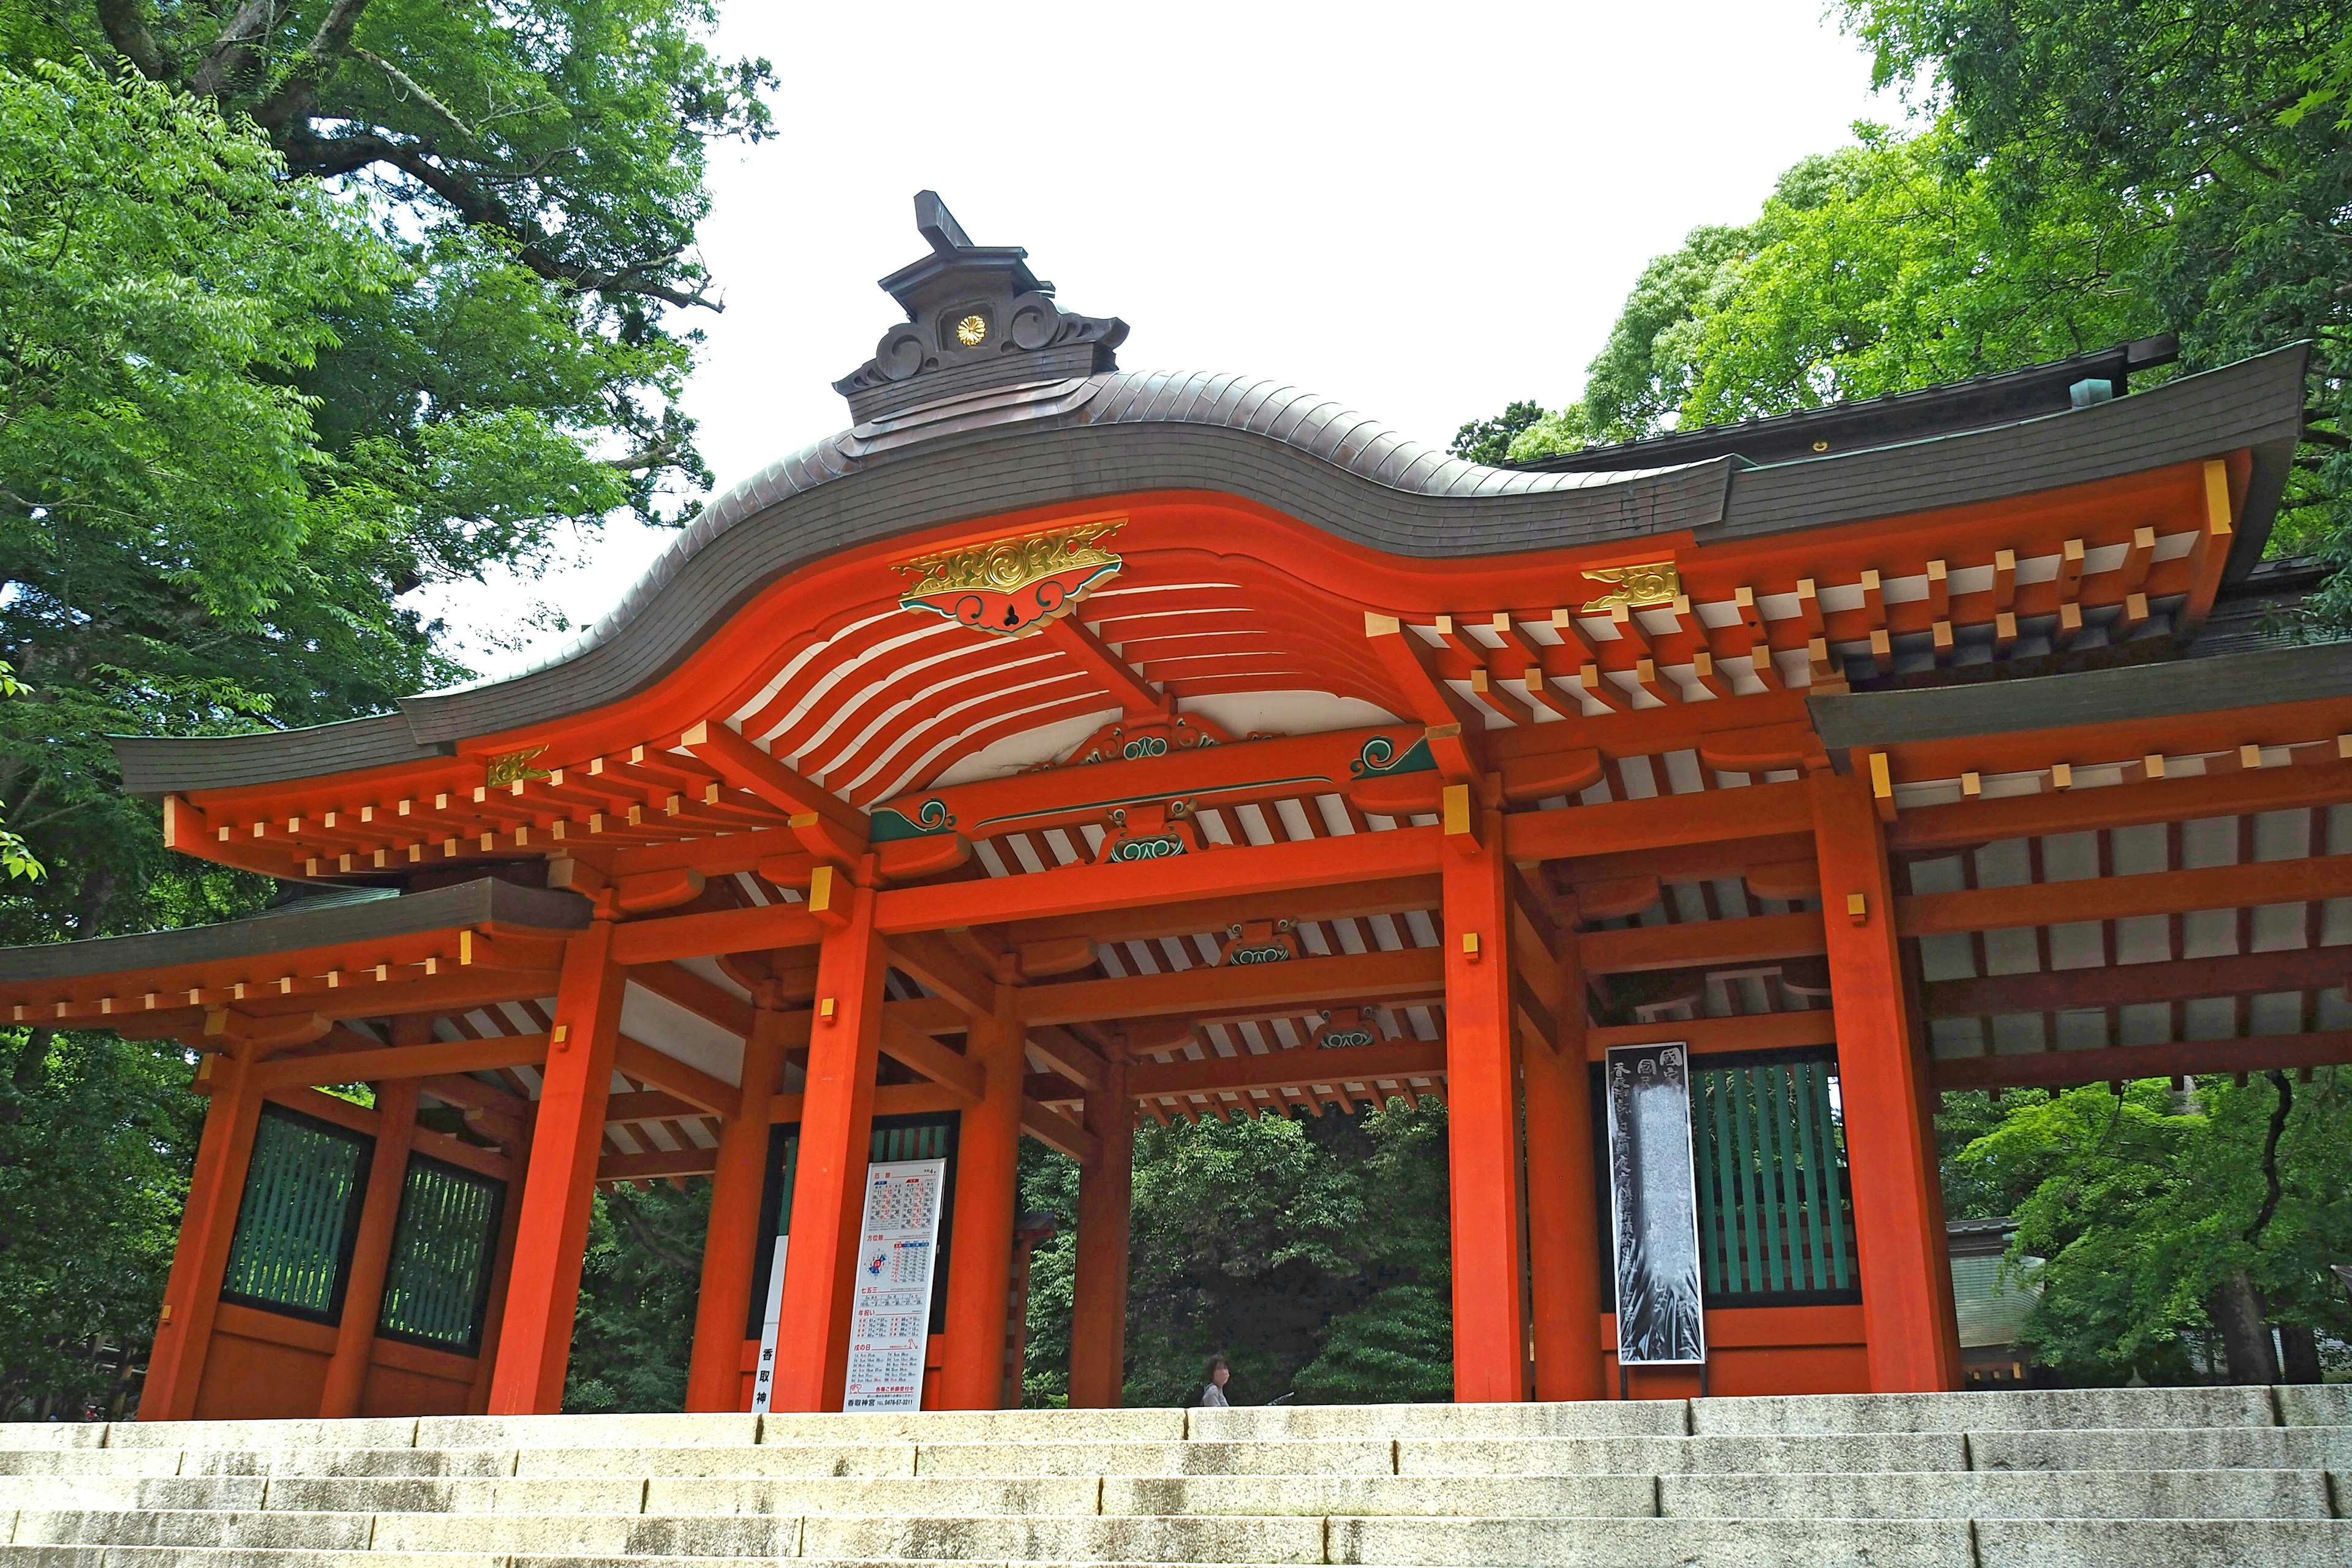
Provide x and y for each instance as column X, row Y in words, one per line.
column 1775, row 1217
column 299, row 1213
column 439, row 1275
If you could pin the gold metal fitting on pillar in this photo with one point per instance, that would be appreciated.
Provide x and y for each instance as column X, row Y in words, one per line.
column 824, row 1009
column 1858, row 907
column 559, row 1039
column 1470, row 950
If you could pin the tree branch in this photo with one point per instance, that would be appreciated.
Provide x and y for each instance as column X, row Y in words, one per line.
column 298, row 96
column 415, row 89
column 2286, row 1086
column 126, row 30
column 651, row 1240
column 232, row 52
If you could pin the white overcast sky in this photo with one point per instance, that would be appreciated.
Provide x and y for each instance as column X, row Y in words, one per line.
column 1423, row 211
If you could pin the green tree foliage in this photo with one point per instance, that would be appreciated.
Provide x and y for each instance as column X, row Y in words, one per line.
column 304, row 304
column 1489, row 441
column 82, row 1237
column 2201, row 112
column 1870, row 270
column 1311, row 1251
column 2155, row 1211
column 638, row 1285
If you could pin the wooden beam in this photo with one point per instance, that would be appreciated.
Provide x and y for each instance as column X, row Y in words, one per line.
column 2239, row 887
column 747, row 767
column 1136, row 697
column 473, row 1094
column 1240, row 871
column 1250, row 990
column 636, row 1059
column 402, row 1061
column 650, row 1105
column 2241, row 793
column 1068, row 1056
column 1411, row 666
column 951, row 1069
column 1057, row 1131
column 933, row 960
column 1703, row 945
column 889, row 1099
column 1301, row 1068
column 675, row 983
column 1755, row 1032
column 2326, row 1047
column 2120, row 985
column 658, row 1165
column 1661, row 822
column 639, row 942
column 1143, row 922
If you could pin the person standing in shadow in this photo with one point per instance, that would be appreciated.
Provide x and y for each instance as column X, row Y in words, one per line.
column 1213, row 1392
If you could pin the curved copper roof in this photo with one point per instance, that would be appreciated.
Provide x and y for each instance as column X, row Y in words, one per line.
column 1012, row 447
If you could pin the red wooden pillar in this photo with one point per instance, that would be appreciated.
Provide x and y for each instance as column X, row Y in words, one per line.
column 988, row 1153
column 559, row 1189
column 494, row 1310
column 347, row 1372
column 1482, row 1111
column 1106, row 1193
column 1898, row 1200
column 730, row 1251
column 1563, row 1230
column 836, row 1139
column 175, row 1367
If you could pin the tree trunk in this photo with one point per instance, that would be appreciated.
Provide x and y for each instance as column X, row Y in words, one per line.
column 2237, row 1310
column 2302, row 1347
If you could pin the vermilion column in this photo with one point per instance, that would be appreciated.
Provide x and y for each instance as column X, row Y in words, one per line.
column 494, row 1310
column 1483, row 1122
column 1106, row 1195
column 730, row 1252
column 1563, row 1235
column 183, row 1333
column 347, row 1372
column 829, row 1184
column 560, row 1185
column 1898, row 1203
column 988, row 1150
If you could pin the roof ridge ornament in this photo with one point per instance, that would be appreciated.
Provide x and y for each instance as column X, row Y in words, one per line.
column 976, row 317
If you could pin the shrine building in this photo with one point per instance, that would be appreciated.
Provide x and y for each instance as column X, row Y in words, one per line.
column 1060, row 746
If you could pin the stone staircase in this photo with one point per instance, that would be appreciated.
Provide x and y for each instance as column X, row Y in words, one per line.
column 2112, row 1479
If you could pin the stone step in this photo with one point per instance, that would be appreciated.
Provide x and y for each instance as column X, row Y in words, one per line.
column 1373, row 1456
column 2010, row 1410
column 1613, row 1544
column 2188, row 1448
column 1903, row 1451
column 1596, row 1418
column 2014, row 1494
column 2163, row 1544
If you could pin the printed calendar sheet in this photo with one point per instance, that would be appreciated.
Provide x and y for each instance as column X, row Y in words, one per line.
column 891, row 1311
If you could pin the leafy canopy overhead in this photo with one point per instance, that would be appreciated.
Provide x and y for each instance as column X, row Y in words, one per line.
column 304, row 305
column 1870, row 270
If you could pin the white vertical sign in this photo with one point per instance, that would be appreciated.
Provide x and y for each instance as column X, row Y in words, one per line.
column 763, row 1380
column 891, row 1310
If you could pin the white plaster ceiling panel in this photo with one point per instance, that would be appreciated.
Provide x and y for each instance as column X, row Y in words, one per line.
column 2279, row 927
column 2144, row 1023
column 2210, row 1018
column 2079, row 944
column 2208, row 841
column 2209, row 934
